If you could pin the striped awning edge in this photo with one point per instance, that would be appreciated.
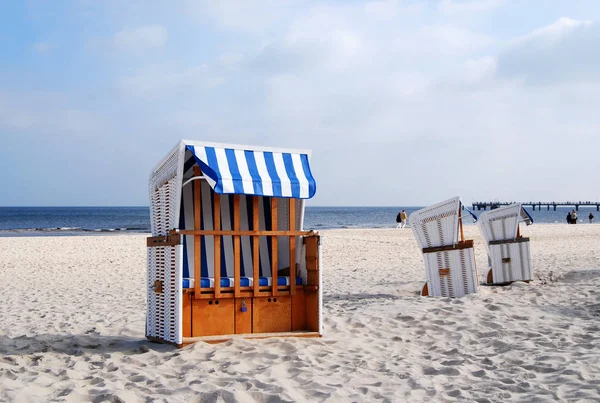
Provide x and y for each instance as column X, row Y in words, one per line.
column 254, row 172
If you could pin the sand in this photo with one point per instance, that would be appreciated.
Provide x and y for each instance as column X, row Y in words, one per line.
column 72, row 318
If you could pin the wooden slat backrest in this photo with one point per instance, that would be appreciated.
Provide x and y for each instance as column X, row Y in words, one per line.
column 255, row 232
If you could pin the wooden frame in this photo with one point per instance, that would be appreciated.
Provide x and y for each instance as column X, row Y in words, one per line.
column 299, row 304
column 237, row 233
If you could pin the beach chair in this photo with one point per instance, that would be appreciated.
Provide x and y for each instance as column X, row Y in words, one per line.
column 228, row 256
column 509, row 255
column 449, row 259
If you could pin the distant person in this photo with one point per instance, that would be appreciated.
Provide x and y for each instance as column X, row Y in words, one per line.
column 574, row 217
column 403, row 218
column 569, row 218
column 399, row 219
column 591, row 217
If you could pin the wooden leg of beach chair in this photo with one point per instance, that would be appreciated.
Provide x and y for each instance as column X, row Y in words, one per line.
column 425, row 291
column 311, row 290
column 298, row 310
column 490, row 277
column 186, row 315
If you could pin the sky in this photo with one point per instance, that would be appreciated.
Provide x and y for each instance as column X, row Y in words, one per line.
column 402, row 102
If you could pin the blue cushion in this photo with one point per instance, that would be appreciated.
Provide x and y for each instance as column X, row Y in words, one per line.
column 280, row 281
column 205, row 282
column 244, row 282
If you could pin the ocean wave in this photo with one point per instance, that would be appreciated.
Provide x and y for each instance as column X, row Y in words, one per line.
column 73, row 229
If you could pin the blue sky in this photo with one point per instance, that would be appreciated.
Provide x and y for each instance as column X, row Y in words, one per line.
column 402, row 102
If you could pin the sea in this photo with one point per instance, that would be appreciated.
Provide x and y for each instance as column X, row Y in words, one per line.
column 68, row 221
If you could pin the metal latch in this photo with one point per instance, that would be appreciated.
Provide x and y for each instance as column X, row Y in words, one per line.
column 158, row 286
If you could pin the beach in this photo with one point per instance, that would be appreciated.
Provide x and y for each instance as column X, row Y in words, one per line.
column 72, row 323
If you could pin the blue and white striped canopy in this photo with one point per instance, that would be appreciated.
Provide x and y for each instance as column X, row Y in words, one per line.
column 254, row 172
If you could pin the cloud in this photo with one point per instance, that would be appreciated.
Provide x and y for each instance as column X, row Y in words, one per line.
column 249, row 16
column 140, row 38
column 451, row 40
column 562, row 51
column 48, row 112
column 469, row 6
column 556, row 31
column 166, row 79
column 438, row 96
column 355, row 38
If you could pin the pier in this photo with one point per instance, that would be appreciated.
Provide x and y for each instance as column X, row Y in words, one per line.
column 538, row 205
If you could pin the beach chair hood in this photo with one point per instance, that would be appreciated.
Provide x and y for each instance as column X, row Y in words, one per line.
column 502, row 223
column 438, row 225
column 234, row 169
column 252, row 171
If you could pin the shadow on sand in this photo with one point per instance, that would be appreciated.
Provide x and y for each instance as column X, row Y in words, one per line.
column 576, row 276
column 78, row 344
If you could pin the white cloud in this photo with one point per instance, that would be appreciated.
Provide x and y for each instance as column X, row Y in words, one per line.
column 383, row 9
column 469, row 6
column 50, row 113
column 550, row 33
column 251, row 16
column 140, row 38
column 561, row 27
column 475, row 71
column 344, row 39
column 162, row 80
column 562, row 51
column 377, row 89
column 449, row 39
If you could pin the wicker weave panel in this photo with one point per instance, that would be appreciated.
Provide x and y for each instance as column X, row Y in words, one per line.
column 451, row 273
column 164, row 174
column 511, row 262
column 163, row 318
column 164, row 203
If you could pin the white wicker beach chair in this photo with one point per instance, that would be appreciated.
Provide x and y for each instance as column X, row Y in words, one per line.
column 228, row 255
column 509, row 254
column 449, row 259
